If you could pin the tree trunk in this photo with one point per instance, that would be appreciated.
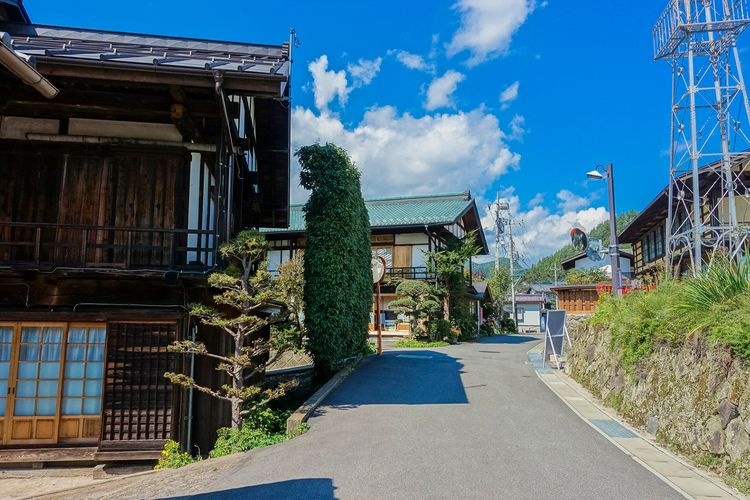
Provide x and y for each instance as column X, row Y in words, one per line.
column 237, row 385
column 236, row 413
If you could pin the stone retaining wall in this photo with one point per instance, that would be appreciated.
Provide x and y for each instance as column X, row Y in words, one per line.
column 695, row 399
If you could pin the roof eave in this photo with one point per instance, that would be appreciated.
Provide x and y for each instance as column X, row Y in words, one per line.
column 262, row 84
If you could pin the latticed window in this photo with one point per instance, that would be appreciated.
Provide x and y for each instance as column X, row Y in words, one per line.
column 84, row 370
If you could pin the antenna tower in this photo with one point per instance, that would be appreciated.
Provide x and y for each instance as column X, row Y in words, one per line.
column 709, row 186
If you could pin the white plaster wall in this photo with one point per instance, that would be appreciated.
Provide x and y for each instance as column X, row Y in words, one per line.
column 586, row 263
column 411, row 239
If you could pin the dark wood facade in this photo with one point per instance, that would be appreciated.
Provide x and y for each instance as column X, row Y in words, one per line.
column 115, row 196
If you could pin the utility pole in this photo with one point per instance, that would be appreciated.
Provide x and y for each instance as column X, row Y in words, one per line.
column 512, row 275
column 504, row 220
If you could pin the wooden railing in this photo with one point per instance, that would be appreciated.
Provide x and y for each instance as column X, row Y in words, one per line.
column 411, row 273
column 80, row 246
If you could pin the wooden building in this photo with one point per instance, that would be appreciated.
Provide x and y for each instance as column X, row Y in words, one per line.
column 126, row 160
column 403, row 230
column 648, row 232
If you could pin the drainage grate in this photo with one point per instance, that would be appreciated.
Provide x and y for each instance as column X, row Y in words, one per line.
column 535, row 360
column 612, row 428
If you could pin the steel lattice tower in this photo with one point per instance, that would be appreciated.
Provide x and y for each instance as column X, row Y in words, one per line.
column 710, row 148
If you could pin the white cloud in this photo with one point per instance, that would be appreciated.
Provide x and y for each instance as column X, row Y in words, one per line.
column 406, row 154
column 487, row 27
column 510, row 93
column 440, row 91
column 543, row 231
column 328, row 84
column 538, row 199
column 364, row 71
column 517, row 128
column 413, row 61
column 569, row 201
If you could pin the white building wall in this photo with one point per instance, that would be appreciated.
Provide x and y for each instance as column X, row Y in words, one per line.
column 530, row 317
column 418, row 258
column 604, row 264
column 411, row 239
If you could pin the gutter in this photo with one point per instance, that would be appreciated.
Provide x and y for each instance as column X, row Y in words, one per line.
column 21, row 66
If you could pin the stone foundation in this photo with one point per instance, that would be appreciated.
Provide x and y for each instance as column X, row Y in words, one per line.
column 695, row 399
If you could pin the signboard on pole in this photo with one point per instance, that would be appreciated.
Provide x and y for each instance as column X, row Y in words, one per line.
column 555, row 336
column 378, row 273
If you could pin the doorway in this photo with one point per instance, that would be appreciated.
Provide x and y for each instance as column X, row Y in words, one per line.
column 51, row 378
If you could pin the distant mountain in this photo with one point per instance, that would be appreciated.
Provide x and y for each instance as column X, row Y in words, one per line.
column 485, row 268
column 544, row 270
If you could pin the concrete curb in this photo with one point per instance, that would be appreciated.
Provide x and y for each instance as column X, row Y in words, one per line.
column 679, row 474
column 303, row 412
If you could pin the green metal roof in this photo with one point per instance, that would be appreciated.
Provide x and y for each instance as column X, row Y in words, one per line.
column 440, row 209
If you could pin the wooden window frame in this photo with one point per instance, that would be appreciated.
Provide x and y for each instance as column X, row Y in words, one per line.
column 6, row 437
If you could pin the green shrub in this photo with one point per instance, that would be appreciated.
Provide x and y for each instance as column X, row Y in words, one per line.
column 467, row 327
column 370, row 348
column 722, row 282
column 438, row 330
column 729, row 324
column 715, row 304
column 418, row 300
column 268, row 419
column 507, row 325
column 243, row 439
column 173, row 457
column 262, row 427
column 338, row 280
column 485, row 330
column 586, row 276
column 641, row 320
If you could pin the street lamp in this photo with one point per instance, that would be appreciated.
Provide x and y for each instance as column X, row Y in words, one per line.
column 614, row 248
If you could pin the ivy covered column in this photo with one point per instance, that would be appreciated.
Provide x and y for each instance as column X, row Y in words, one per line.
column 338, row 279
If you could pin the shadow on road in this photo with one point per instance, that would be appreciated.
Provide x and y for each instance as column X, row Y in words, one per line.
column 413, row 377
column 313, row 488
column 510, row 339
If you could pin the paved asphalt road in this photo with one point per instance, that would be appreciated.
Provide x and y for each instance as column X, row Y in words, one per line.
column 467, row 421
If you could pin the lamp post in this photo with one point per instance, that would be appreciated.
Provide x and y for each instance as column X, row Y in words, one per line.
column 614, row 248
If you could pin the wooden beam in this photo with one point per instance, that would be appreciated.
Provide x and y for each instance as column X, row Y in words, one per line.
column 32, row 455
column 184, row 122
column 87, row 139
column 248, row 84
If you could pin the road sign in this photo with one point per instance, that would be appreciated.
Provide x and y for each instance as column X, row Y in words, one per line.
column 555, row 335
column 378, row 269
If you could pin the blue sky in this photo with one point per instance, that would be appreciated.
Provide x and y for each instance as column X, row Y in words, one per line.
column 517, row 96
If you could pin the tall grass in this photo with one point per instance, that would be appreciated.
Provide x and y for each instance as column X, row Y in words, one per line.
column 716, row 304
column 724, row 281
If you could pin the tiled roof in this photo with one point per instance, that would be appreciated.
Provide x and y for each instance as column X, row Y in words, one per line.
column 111, row 48
column 402, row 211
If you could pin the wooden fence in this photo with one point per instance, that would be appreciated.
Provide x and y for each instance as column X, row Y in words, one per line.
column 577, row 299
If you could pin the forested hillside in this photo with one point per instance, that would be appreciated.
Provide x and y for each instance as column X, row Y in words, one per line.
column 544, row 269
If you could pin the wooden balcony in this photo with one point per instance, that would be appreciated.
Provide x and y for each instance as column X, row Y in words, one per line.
column 42, row 246
column 411, row 273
